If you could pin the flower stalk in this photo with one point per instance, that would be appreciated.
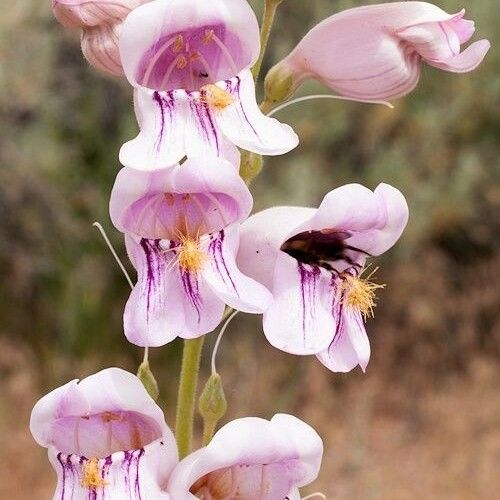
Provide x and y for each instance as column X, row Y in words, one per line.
column 270, row 8
column 188, row 384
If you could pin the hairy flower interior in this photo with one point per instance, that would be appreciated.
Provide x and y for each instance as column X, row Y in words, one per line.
column 359, row 293
column 92, row 477
column 190, row 257
column 215, row 97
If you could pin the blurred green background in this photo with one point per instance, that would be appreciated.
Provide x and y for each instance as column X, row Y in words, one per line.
column 423, row 421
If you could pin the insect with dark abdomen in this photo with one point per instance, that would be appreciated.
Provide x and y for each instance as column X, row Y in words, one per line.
column 321, row 248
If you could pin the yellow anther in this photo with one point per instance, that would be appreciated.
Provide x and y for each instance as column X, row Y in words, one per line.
column 181, row 62
column 215, row 97
column 195, row 56
column 359, row 293
column 109, row 416
column 169, row 198
column 92, row 477
column 178, row 44
column 208, row 36
column 190, row 257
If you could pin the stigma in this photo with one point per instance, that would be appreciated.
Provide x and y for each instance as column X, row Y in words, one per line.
column 360, row 293
column 92, row 477
column 215, row 97
column 190, row 257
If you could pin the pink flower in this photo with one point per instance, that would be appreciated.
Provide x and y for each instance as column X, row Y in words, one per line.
column 90, row 13
column 252, row 459
column 106, row 438
column 375, row 52
column 312, row 261
column 182, row 227
column 101, row 22
column 189, row 62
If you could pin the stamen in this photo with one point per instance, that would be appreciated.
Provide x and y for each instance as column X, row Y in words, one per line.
column 230, row 314
column 208, row 36
column 359, row 293
column 205, row 64
column 109, row 416
column 215, row 97
column 170, row 69
column 226, row 53
column 155, row 59
column 181, row 62
column 323, row 96
column 113, row 253
column 190, row 257
column 178, row 44
column 92, row 475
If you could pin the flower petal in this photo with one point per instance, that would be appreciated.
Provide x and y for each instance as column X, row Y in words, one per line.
column 204, row 194
column 264, row 458
column 147, row 43
column 66, row 417
column 160, row 143
column 262, row 235
column 244, row 124
column 150, row 319
column 350, row 347
column 467, row 60
column 227, row 281
column 303, row 316
column 307, row 442
column 374, row 219
column 433, row 41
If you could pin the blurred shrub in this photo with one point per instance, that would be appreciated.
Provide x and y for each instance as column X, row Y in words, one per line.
column 62, row 125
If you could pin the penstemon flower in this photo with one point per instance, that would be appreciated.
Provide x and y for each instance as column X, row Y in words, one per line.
column 251, row 459
column 375, row 51
column 106, row 438
column 189, row 62
column 312, row 260
column 183, row 207
column 182, row 236
column 101, row 22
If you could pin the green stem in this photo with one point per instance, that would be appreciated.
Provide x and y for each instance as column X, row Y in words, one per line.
column 209, row 431
column 187, row 394
column 270, row 8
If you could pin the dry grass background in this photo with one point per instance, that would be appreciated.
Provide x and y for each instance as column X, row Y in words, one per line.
column 424, row 422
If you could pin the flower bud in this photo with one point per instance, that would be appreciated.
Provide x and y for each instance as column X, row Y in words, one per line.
column 100, row 48
column 212, row 404
column 145, row 375
column 251, row 165
column 375, row 52
column 85, row 13
column 280, row 84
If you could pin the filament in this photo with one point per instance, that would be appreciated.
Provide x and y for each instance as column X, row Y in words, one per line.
column 324, row 96
column 156, row 57
column 205, row 64
column 113, row 252
column 219, row 338
column 226, row 53
column 169, row 71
